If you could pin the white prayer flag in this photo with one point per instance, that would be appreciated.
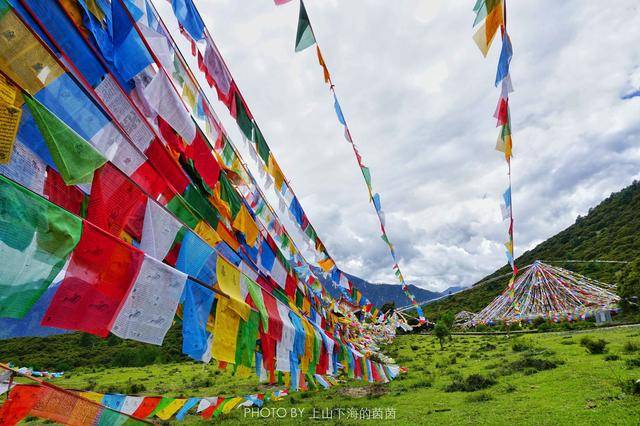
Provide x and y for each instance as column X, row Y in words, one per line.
column 148, row 311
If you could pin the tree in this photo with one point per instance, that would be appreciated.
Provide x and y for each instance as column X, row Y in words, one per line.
column 388, row 306
column 441, row 331
column 448, row 319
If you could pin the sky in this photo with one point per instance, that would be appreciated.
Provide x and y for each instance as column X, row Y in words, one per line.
column 419, row 99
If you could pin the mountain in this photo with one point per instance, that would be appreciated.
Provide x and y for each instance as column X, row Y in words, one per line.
column 379, row 294
column 610, row 231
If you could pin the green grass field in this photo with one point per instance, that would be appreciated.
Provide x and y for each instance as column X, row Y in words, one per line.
column 534, row 379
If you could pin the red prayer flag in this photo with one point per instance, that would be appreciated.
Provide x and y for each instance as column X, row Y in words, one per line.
column 100, row 274
column 203, row 160
column 21, row 399
column 116, row 202
column 66, row 196
column 270, row 339
column 151, row 182
column 147, row 406
column 168, row 166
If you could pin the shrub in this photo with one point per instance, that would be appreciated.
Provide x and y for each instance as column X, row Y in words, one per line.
column 633, row 363
column 528, row 365
column 422, row 383
column 630, row 347
column 479, row 397
column 519, row 346
column 487, row 347
column 594, row 346
column 471, row 383
column 631, row 386
column 612, row 357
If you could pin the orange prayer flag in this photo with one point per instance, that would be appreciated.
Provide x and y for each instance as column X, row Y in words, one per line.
column 327, row 77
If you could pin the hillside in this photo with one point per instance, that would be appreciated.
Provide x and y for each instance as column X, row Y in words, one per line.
column 610, row 231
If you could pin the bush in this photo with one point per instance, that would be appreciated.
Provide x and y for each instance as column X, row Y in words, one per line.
column 594, row 346
column 528, row 365
column 633, row 363
column 519, row 346
column 612, row 357
column 630, row 347
column 631, row 386
column 487, row 347
column 479, row 397
column 471, row 383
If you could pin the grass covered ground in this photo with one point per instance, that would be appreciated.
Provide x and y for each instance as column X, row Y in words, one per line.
column 535, row 379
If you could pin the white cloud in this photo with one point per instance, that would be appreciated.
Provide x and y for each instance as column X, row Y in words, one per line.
column 419, row 100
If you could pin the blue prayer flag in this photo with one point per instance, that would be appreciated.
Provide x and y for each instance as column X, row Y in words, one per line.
column 189, row 18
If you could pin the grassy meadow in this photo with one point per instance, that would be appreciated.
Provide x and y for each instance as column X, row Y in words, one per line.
column 531, row 379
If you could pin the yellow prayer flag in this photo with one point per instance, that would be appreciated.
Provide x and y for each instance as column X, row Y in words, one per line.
column 231, row 404
column 207, row 233
column 275, row 172
column 92, row 396
column 23, row 58
column 9, row 123
column 96, row 10
column 189, row 96
column 326, row 264
column 229, row 282
column 8, row 91
column 171, row 409
column 225, row 333
column 245, row 224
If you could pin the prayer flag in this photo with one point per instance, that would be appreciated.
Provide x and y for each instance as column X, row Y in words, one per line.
column 505, row 58
column 325, row 70
column 151, row 304
column 130, row 55
column 164, row 100
column 36, row 238
column 100, row 274
column 245, row 223
column 74, row 157
column 189, row 18
column 304, row 36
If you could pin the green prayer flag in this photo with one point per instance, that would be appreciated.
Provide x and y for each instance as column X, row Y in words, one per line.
column 246, row 343
column 229, row 195
column 311, row 233
column 262, row 147
column 304, row 37
column 256, row 295
column 228, row 155
column 180, row 209
column 164, row 403
column 242, row 119
column 36, row 238
column 201, row 205
column 75, row 158
column 367, row 175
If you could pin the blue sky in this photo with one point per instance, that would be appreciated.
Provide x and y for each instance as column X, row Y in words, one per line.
column 419, row 99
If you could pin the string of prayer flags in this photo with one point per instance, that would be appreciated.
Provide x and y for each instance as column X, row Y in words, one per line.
column 493, row 13
column 239, row 110
column 305, row 37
